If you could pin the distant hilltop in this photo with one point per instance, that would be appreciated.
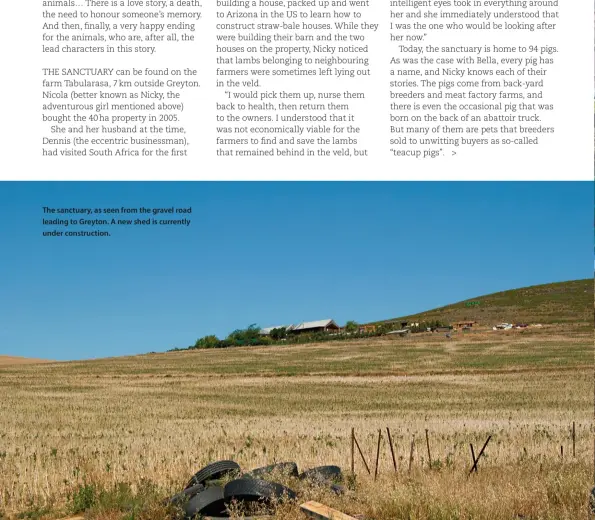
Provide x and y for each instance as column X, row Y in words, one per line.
column 562, row 302
column 17, row 360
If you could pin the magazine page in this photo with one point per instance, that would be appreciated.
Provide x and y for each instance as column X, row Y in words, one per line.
column 290, row 259
column 297, row 89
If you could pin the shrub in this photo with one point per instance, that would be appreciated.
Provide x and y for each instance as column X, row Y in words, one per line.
column 83, row 498
column 278, row 333
column 351, row 326
column 207, row 342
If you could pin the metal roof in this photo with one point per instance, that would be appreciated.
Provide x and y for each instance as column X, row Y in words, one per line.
column 306, row 325
column 315, row 324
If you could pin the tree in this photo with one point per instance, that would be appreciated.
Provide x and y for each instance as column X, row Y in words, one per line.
column 248, row 336
column 207, row 342
column 351, row 326
column 278, row 333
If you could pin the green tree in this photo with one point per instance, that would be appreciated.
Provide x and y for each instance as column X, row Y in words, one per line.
column 207, row 342
column 351, row 326
column 248, row 336
column 279, row 333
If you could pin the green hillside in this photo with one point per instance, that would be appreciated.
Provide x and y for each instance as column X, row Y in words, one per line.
column 563, row 302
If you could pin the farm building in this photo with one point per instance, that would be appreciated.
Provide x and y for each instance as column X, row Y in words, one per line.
column 304, row 327
column 406, row 324
column 367, row 328
column 314, row 326
column 463, row 324
column 442, row 329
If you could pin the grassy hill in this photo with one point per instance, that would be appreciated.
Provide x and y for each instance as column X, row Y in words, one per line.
column 563, row 302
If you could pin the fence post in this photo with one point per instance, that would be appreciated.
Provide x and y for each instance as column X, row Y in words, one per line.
column 377, row 453
column 352, row 450
column 476, row 460
column 392, row 451
column 362, row 455
column 411, row 453
column 429, row 454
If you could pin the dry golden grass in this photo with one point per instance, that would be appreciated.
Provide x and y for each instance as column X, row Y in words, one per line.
column 159, row 418
column 16, row 360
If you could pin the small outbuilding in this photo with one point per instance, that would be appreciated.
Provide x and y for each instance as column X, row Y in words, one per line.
column 364, row 329
column 464, row 324
column 442, row 329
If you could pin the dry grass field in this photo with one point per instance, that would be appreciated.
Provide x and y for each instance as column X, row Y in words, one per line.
column 16, row 360
column 115, row 436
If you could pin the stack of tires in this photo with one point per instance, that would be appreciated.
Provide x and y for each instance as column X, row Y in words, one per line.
column 215, row 487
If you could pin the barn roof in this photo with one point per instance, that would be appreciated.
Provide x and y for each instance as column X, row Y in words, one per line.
column 315, row 324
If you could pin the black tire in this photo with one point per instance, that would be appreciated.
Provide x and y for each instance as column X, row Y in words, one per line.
column 254, row 490
column 208, row 502
column 214, row 471
column 185, row 495
column 323, row 474
column 289, row 469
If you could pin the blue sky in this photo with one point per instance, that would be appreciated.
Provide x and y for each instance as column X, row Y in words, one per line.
column 273, row 253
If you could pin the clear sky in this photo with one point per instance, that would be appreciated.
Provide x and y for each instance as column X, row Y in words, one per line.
column 271, row 254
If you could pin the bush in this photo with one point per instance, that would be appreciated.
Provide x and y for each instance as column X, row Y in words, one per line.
column 247, row 337
column 278, row 333
column 351, row 326
column 83, row 498
column 207, row 342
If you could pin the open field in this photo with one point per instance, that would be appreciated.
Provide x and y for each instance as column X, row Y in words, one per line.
column 159, row 418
